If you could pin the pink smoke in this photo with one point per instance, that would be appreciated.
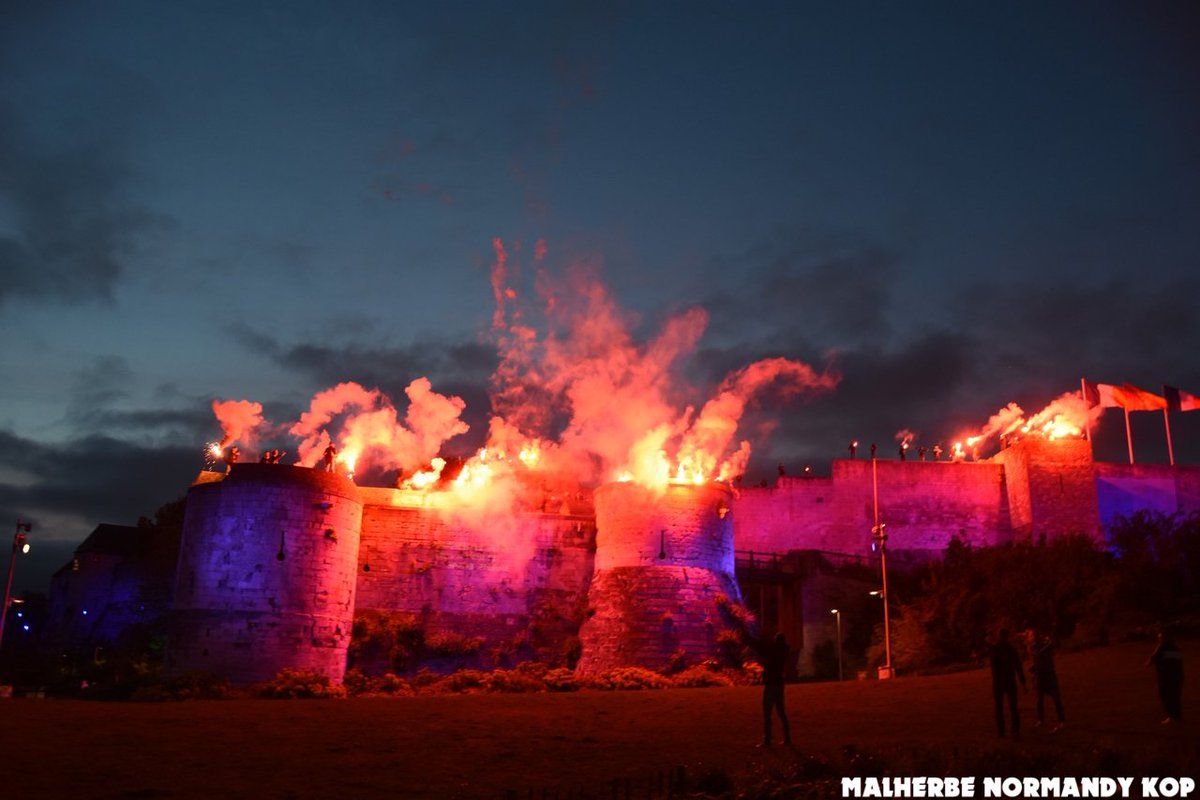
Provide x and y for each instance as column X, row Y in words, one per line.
column 239, row 420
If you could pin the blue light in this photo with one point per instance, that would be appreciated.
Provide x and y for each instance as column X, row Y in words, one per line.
column 25, row 626
column 85, row 612
column 20, row 614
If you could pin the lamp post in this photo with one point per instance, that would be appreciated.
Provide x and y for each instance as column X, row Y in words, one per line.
column 879, row 539
column 838, row 616
column 21, row 543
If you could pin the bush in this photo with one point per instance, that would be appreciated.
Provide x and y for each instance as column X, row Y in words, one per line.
column 700, row 676
column 970, row 593
column 359, row 683
column 392, row 638
column 452, row 645
column 562, row 680
column 629, row 678
column 516, row 680
column 188, row 686
column 299, row 683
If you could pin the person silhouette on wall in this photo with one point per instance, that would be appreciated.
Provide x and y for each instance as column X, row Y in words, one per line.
column 1006, row 670
column 1167, row 660
column 1045, row 679
column 775, row 657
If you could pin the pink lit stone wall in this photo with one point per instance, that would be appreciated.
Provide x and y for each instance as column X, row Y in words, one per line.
column 471, row 575
column 923, row 503
column 1051, row 488
column 243, row 612
column 663, row 560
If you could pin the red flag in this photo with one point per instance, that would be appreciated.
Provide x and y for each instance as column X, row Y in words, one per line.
column 1179, row 400
column 1135, row 399
column 1104, row 395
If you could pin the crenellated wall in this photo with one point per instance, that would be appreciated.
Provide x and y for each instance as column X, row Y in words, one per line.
column 643, row 570
column 923, row 503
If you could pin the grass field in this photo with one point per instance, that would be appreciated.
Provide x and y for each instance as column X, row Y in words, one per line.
column 591, row 744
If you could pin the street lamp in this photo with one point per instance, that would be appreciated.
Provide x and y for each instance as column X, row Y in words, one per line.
column 879, row 540
column 838, row 616
column 20, row 543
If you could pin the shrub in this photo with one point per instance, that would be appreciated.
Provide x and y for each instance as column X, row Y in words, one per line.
column 393, row 638
column 699, row 676
column 188, row 686
column 359, row 683
column 299, row 683
column 453, row 645
column 629, row 679
column 562, row 680
column 515, row 680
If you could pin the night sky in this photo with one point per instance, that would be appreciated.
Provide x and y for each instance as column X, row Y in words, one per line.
column 954, row 206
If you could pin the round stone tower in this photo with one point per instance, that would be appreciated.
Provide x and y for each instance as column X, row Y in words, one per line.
column 267, row 573
column 663, row 561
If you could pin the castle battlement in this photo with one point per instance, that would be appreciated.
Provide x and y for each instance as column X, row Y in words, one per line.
column 276, row 560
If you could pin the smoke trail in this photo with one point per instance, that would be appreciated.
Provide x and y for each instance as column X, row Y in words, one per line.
column 239, row 420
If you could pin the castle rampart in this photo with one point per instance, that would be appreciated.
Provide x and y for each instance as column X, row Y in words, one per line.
column 267, row 574
column 638, row 578
column 664, row 560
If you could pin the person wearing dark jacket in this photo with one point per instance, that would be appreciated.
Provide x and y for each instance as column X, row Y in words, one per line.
column 1006, row 670
column 1167, row 661
column 1045, row 679
column 775, row 657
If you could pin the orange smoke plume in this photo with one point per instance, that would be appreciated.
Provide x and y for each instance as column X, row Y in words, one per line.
column 610, row 404
column 367, row 428
column 239, row 420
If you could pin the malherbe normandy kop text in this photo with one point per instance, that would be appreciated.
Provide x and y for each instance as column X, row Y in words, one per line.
column 1016, row 787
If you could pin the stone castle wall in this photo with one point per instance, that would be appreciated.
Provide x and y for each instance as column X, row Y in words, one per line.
column 267, row 574
column 643, row 572
column 472, row 575
column 664, row 563
column 923, row 503
column 1051, row 488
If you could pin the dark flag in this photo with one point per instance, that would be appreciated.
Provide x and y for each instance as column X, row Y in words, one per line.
column 1179, row 400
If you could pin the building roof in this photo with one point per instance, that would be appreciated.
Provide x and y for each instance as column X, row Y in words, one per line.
column 115, row 540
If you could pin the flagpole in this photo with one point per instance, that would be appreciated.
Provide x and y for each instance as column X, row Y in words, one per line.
column 1128, row 435
column 1170, row 450
column 1087, row 417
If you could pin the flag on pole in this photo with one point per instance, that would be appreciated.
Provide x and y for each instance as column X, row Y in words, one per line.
column 1104, row 395
column 1136, row 399
column 1179, row 400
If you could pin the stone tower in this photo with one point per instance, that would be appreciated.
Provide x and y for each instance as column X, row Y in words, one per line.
column 1051, row 488
column 267, row 574
column 663, row 559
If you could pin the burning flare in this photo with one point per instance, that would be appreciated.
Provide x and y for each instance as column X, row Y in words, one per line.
column 574, row 394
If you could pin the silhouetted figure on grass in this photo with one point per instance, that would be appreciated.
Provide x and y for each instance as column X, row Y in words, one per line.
column 1045, row 679
column 1006, row 670
column 775, row 657
column 1167, row 660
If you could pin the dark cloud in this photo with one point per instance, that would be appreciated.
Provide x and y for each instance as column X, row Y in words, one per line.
column 94, row 479
column 829, row 287
column 72, row 232
column 462, row 369
column 1122, row 329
